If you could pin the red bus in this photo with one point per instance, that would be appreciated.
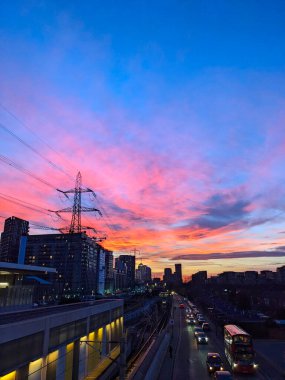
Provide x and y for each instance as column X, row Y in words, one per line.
column 239, row 349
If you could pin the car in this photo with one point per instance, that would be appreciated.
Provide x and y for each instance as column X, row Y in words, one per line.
column 201, row 337
column 201, row 321
column 214, row 362
column 198, row 330
column 223, row 375
column 206, row 326
column 191, row 321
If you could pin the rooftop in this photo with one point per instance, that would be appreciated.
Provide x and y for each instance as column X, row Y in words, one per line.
column 13, row 317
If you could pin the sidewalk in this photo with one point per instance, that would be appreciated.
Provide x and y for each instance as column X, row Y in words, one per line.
column 272, row 352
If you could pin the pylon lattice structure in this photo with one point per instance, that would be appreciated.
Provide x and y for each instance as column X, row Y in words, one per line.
column 77, row 208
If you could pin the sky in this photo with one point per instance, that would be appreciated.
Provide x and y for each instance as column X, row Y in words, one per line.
column 173, row 112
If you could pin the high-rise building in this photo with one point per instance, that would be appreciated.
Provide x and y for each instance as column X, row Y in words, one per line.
column 120, row 275
column 109, row 271
column 14, row 229
column 130, row 262
column 75, row 257
column 168, row 277
column 101, row 270
column 143, row 274
column 178, row 273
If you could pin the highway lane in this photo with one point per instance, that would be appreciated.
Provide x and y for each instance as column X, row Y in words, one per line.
column 189, row 360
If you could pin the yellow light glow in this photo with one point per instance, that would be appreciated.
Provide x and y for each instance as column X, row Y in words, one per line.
column 69, row 346
column 36, row 365
column 100, row 333
column 83, row 338
column 52, row 356
column 9, row 376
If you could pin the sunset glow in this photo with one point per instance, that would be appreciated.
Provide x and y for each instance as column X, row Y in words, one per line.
column 177, row 126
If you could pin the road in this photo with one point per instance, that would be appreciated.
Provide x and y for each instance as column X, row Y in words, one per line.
column 189, row 359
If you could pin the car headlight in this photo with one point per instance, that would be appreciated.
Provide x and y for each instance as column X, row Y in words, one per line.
column 199, row 339
column 235, row 365
column 255, row 365
column 221, row 368
column 211, row 368
column 206, row 339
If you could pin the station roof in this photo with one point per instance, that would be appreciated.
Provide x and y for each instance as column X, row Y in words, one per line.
column 15, row 268
column 48, row 311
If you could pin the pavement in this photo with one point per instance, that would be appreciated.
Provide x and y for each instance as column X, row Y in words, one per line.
column 272, row 351
column 189, row 359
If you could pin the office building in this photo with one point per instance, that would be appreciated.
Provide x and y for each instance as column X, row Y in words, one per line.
column 130, row 265
column 109, row 271
column 120, row 275
column 178, row 273
column 14, row 229
column 75, row 258
column 143, row 274
column 168, row 277
column 101, row 271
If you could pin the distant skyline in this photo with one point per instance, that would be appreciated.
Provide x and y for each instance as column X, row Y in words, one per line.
column 174, row 113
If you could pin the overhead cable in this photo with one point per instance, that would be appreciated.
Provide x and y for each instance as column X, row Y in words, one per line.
column 14, row 116
column 19, row 167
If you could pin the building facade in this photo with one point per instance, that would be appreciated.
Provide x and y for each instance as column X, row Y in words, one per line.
column 14, row 229
column 75, row 258
column 178, row 273
column 130, row 264
column 143, row 274
column 101, row 270
column 66, row 342
column 168, row 277
column 109, row 272
column 199, row 278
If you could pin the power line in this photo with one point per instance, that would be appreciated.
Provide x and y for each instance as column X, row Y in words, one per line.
column 27, row 205
column 55, row 166
column 107, row 221
column 105, row 215
column 19, row 167
column 13, row 115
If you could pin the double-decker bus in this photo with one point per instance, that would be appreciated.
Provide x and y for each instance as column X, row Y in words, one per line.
column 239, row 349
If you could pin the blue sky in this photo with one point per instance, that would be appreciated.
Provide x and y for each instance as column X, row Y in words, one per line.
column 172, row 110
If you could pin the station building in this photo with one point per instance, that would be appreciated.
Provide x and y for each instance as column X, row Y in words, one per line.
column 64, row 342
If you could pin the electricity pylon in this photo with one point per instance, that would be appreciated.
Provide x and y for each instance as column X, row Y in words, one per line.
column 77, row 208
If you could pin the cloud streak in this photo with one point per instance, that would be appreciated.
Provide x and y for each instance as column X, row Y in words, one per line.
column 185, row 156
column 279, row 252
